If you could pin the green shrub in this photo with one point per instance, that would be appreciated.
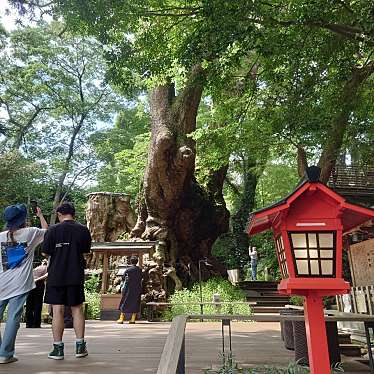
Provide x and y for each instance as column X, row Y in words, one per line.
column 297, row 300
column 92, row 297
column 93, row 305
column 230, row 366
column 223, row 287
column 92, row 284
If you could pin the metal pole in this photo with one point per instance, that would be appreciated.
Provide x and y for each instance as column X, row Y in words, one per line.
column 223, row 338
column 369, row 325
column 201, row 292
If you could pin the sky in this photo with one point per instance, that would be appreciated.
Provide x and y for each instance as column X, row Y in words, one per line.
column 8, row 21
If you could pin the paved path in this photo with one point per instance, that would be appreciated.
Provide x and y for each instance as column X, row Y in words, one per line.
column 137, row 348
column 112, row 349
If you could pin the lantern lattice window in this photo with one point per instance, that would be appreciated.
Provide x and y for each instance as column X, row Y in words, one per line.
column 313, row 253
column 282, row 257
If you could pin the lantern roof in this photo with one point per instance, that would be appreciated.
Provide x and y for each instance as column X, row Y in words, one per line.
column 351, row 215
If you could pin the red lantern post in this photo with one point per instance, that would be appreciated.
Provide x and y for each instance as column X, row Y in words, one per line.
column 308, row 227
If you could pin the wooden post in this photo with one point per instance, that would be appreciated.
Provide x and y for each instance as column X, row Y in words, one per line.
column 140, row 257
column 318, row 351
column 104, row 284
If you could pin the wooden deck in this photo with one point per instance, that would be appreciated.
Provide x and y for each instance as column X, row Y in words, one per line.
column 137, row 348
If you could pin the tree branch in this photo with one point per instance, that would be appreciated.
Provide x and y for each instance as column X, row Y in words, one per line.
column 347, row 103
column 74, row 179
column 234, row 188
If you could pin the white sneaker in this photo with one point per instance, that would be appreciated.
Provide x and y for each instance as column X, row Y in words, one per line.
column 8, row 360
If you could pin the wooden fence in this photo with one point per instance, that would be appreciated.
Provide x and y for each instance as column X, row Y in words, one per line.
column 359, row 300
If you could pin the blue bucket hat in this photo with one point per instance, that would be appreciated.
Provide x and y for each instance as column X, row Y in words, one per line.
column 15, row 216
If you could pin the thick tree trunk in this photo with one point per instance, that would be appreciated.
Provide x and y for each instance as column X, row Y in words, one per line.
column 108, row 216
column 177, row 211
column 302, row 161
column 57, row 198
column 347, row 103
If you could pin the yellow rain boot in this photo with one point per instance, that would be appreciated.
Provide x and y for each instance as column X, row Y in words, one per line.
column 133, row 318
column 121, row 318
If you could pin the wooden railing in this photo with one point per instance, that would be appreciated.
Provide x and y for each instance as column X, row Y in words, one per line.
column 173, row 358
column 359, row 300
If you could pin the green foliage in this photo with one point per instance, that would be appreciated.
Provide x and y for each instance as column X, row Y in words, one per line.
column 92, row 284
column 266, row 255
column 297, row 300
column 224, row 288
column 91, row 287
column 15, row 172
column 224, row 250
column 123, row 151
column 131, row 164
column 93, row 307
column 230, row 366
column 276, row 182
column 53, row 96
column 276, row 75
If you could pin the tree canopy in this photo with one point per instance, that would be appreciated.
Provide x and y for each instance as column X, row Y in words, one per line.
column 240, row 97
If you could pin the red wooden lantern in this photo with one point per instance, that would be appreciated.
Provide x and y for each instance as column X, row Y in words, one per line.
column 308, row 227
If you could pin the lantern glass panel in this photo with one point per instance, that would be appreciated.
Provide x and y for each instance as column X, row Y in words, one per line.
column 326, row 253
column 299, row 240
column 312, row 240
column 281, row 256
column 302, row 267
column 327, row 267
column 314, row 268
column 301, row 253
column 313, row 253
column 326, row 240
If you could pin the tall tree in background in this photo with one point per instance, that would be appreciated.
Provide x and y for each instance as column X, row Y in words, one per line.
column 63, row 76
column 313, row 67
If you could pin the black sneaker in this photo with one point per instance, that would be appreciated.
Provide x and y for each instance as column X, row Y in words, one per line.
column 58, row 352
column 80, row 349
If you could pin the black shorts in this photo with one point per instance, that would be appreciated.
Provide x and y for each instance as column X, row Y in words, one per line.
column 64, row 295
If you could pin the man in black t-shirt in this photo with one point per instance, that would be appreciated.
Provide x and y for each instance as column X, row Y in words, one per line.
column 65, row 244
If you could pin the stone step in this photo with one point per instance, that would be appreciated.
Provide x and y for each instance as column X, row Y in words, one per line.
column 268, row 297
column 258, row 285
column 266, row 309
column 352, row 350
column 252, row 293
column 278, row 304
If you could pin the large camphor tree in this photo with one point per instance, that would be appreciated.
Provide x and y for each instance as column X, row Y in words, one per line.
column 311, row 66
